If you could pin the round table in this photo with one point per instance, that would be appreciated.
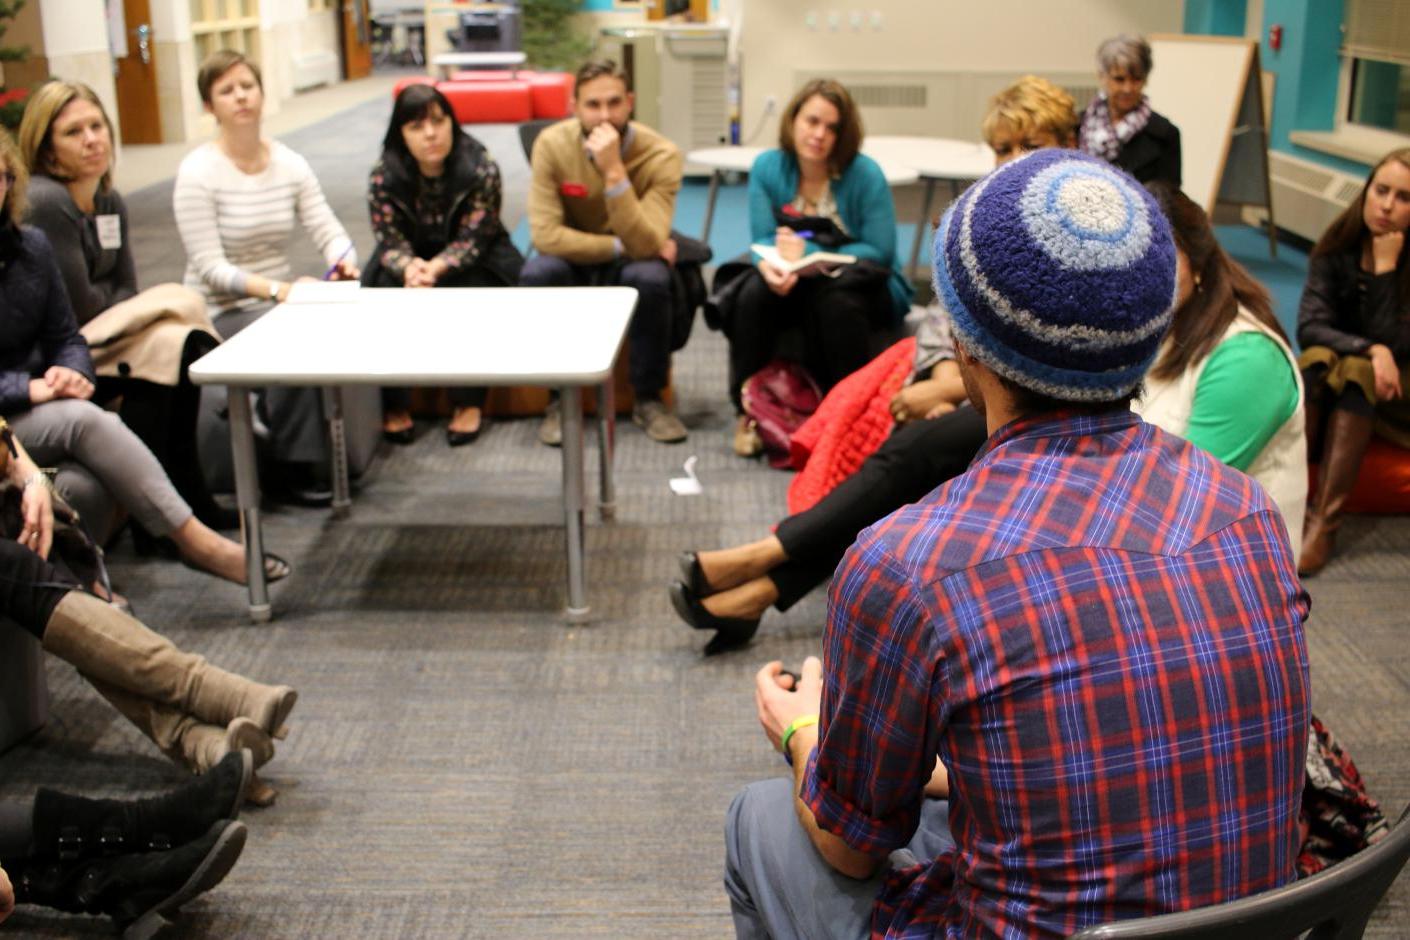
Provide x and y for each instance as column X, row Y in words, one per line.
column 934, row 159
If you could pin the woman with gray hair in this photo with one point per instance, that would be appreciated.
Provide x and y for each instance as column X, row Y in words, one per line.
column 1119, row 125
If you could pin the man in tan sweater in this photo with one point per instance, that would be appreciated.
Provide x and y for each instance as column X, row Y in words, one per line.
column 600, row 207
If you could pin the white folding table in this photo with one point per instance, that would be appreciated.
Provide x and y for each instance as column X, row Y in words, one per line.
column 561, row 337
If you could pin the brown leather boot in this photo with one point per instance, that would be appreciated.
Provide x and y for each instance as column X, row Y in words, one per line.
column 1347, row 435
column 103, row 642
column 186, row 740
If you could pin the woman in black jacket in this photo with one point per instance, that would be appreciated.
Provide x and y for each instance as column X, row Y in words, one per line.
column 435, row 197
column 1119, row 125
column 1355, row 339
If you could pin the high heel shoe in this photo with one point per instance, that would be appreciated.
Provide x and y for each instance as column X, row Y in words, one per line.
column 689, row 564
column 730, row 632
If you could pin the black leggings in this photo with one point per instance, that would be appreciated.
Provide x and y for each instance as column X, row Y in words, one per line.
column 836, row 321
column 915, row 459
column 30, row 588
column 164, row 418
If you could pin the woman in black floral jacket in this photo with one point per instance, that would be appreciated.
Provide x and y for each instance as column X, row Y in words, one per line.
column 435, row 197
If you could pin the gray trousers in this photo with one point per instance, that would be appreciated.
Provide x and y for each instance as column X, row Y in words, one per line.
column 780, row 887
column 88, row 444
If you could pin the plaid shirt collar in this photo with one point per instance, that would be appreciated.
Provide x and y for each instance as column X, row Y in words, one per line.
column 1067, row 422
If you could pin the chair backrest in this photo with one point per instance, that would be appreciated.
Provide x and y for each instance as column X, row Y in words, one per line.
column 529, row 132
column 1334, row 904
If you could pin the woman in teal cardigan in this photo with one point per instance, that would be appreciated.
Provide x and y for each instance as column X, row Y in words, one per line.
column 816, row 192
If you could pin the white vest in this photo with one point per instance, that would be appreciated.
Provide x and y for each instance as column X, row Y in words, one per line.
column 1281, row 467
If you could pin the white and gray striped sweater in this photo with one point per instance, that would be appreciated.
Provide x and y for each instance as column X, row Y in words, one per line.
column 235, row 224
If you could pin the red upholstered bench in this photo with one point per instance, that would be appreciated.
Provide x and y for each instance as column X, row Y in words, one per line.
column 1383, row 485
column 489, row 102
column 489, row 96
column 489, row 75
column 552, row 94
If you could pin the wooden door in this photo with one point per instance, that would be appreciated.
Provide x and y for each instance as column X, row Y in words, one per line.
column 136, row 78
column 355, row 28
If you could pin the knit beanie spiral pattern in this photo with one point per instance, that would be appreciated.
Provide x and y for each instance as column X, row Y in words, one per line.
column 1058, row 272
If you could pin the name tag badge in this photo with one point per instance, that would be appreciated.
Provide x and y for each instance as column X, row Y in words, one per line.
column 109, row 232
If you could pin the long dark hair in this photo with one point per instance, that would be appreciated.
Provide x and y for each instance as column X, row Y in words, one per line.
column 413, row 104
column 1348, row 231
column 1222, row 285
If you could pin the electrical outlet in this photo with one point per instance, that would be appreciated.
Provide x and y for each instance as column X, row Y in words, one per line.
column 770, row 103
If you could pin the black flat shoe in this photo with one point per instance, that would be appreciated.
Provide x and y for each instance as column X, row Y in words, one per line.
column 730, row 632
column 461, row 438
column 404, row 436
column 694, row 575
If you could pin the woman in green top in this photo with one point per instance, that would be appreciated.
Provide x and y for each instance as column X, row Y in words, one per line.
column 1226, row 379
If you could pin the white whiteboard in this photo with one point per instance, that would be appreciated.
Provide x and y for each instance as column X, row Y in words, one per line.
column 1199, row 83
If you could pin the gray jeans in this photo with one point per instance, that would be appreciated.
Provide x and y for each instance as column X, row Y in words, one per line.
column 87, row 443
column 780, row 887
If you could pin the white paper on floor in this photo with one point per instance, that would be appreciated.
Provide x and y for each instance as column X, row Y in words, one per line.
column 688, row 485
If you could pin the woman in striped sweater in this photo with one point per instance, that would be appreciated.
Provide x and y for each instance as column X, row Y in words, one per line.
column 236, row 201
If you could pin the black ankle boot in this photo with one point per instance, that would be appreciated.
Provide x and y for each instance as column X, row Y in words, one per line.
column 75, row 828
column 137, row 891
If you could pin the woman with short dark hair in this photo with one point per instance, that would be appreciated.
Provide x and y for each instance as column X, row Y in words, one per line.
column 435, row 197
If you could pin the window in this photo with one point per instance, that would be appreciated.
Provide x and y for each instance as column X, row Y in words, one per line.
column 1376, row 44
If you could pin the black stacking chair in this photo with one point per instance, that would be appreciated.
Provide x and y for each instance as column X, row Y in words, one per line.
column 1333, row 905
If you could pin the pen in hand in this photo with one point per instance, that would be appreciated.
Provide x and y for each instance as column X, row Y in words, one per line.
column 333, row 269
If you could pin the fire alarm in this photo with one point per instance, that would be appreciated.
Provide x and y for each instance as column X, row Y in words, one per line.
column 1275, row 37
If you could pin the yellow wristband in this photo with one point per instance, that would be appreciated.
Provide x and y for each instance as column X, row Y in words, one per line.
column 802, row 721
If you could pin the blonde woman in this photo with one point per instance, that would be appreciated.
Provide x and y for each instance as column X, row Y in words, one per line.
column 47, row 386
column 142, row 342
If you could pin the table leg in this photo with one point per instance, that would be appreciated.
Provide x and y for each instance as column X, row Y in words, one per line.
column 920, row 226
column 338, row 448
column 710, row 203
column 606, row 442
column 570, row 401
column 242, row 443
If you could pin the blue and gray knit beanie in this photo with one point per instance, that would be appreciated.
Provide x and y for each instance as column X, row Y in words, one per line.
column 1058, row 272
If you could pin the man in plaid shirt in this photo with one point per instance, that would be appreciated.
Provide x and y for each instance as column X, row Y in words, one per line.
column 1091, row 642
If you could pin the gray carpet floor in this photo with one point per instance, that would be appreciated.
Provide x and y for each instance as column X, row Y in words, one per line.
column 463, row 764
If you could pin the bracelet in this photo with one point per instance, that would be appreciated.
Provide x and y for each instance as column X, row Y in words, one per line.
column 801, row 721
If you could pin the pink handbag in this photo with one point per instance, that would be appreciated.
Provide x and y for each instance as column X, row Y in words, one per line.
column 779, row 398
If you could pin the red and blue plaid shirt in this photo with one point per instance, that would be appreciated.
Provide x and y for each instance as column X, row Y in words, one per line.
column 1098, row 630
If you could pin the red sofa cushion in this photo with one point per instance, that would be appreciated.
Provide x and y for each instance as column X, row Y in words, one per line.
column 552, row 94
column 486, row 102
